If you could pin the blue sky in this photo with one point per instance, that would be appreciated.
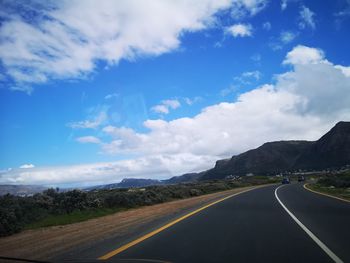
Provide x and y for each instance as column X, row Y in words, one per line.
column 92, row 93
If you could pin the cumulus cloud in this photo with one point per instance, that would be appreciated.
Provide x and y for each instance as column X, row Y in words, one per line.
column 307, row 18
column 165, row 106
column 315, row 92
column 304, row 55
column 240, row 30
column 312, row 93
column 345, row 70
column 155, row 167
column 26, row 166
column 324, row 87
column 64, row 39
column 261, row 115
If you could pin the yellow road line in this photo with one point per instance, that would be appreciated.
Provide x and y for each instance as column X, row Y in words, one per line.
column 140, row 239
column 320, row 193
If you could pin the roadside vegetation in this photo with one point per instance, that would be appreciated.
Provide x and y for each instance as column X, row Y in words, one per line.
column 53, row 207
column 333, row 184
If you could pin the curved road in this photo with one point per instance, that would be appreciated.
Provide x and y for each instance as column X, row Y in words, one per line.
column 251, row 227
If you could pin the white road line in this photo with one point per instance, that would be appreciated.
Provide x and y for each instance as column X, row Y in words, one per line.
column 314, row 238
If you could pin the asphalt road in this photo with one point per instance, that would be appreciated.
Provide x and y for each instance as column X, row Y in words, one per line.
column 250, row 227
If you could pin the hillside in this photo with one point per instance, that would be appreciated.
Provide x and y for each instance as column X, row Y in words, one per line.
column 331, row 151
column 21, row 189
column 127, row 183
column 269, row 159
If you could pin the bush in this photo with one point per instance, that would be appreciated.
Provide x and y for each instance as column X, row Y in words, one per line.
column 338, row 181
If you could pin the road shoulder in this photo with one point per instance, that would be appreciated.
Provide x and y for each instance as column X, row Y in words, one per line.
column 307, row 187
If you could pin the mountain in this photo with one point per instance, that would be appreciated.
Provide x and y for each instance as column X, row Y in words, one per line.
column 331, row 151
column 269, row 159
column 127, row 183
column 21, row 189
column 189, row 177
column 135, row 182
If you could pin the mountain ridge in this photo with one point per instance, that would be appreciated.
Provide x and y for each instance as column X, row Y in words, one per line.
column 331, row 151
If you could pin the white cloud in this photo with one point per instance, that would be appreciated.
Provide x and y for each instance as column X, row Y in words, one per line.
column 26, row 166
column 64, row 39
column 345, row 70
column 267, row 26
column 304, row 55
column 247, row 8
column 287, row 36
column 155, row 167
column 88, row 139
column 165, row 106
column 307, row 18
column 240, row 30
column 313, row 93
column 97, row 121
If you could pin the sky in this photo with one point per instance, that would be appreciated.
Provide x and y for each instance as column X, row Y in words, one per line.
column 92, row 92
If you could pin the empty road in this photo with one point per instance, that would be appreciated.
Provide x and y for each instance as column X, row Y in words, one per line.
column 254, row 226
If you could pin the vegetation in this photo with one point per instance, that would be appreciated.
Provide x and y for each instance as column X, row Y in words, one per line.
column 73, row 217
column 53, row 207
column 334, row 184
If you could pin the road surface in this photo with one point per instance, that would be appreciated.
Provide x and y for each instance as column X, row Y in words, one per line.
column 250, row 227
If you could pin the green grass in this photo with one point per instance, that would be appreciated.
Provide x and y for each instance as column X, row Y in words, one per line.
column 338, row 192
column 74, row 217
